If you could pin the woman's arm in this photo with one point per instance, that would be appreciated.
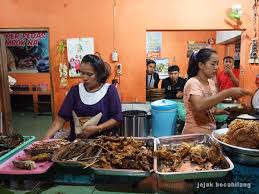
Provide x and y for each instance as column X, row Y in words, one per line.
column 111, row 123
column 64, row 114
column 200, row 103
column 91, row 130
column 57, row 124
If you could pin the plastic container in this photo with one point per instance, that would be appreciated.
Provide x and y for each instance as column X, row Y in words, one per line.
column 181, row 113
column 27, row 140
column 164, row 114
column 221, row 118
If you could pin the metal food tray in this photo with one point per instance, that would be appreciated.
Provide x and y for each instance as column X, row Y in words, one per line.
column 127, row 172
column 71, row 163
column 191, row 138
column 27, row 141
column 238, row 154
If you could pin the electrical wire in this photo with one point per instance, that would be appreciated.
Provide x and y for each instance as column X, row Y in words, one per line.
column 113, row 23
column 255, row 15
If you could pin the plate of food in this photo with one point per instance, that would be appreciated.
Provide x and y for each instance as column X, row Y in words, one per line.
column 240, row 141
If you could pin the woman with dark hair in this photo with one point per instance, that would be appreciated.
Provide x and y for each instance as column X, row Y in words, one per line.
column 92, row 97
column 200, row 93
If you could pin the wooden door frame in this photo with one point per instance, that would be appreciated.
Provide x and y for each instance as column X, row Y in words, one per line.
column 50, row 68
column 5, row 104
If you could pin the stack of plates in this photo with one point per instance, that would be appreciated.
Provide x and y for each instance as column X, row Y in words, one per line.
column 247, row 117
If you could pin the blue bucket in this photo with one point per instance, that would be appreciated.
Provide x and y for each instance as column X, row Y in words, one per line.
column 164, row 114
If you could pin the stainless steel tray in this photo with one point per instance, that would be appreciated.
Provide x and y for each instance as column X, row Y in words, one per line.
column 127, row 172
column 192, row 138
column 121, row 172
column 70, row 163
column 238, row 154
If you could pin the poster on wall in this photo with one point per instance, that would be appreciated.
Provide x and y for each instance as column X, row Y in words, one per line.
column 153, row 44
column 162, row 67
column 27, row 52
column 77, row 48
column 193, row 46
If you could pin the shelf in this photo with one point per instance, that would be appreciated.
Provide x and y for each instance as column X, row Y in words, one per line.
column 35, row 96
column 30, row 92
column 44, row 102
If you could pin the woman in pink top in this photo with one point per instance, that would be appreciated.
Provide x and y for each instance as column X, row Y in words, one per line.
column 200, row 93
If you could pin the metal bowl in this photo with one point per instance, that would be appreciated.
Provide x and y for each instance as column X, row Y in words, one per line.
column 238, row 154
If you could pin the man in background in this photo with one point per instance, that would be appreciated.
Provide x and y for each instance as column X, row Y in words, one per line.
column 174, row 84
column 229, row 77
column 152, row 78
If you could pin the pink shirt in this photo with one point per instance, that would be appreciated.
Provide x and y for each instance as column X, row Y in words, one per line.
column 202, row 121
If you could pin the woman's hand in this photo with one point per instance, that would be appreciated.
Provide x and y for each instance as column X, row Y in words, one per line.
column 55, row 126
column 46, row 137
column 88, row 131
column 238, row 92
